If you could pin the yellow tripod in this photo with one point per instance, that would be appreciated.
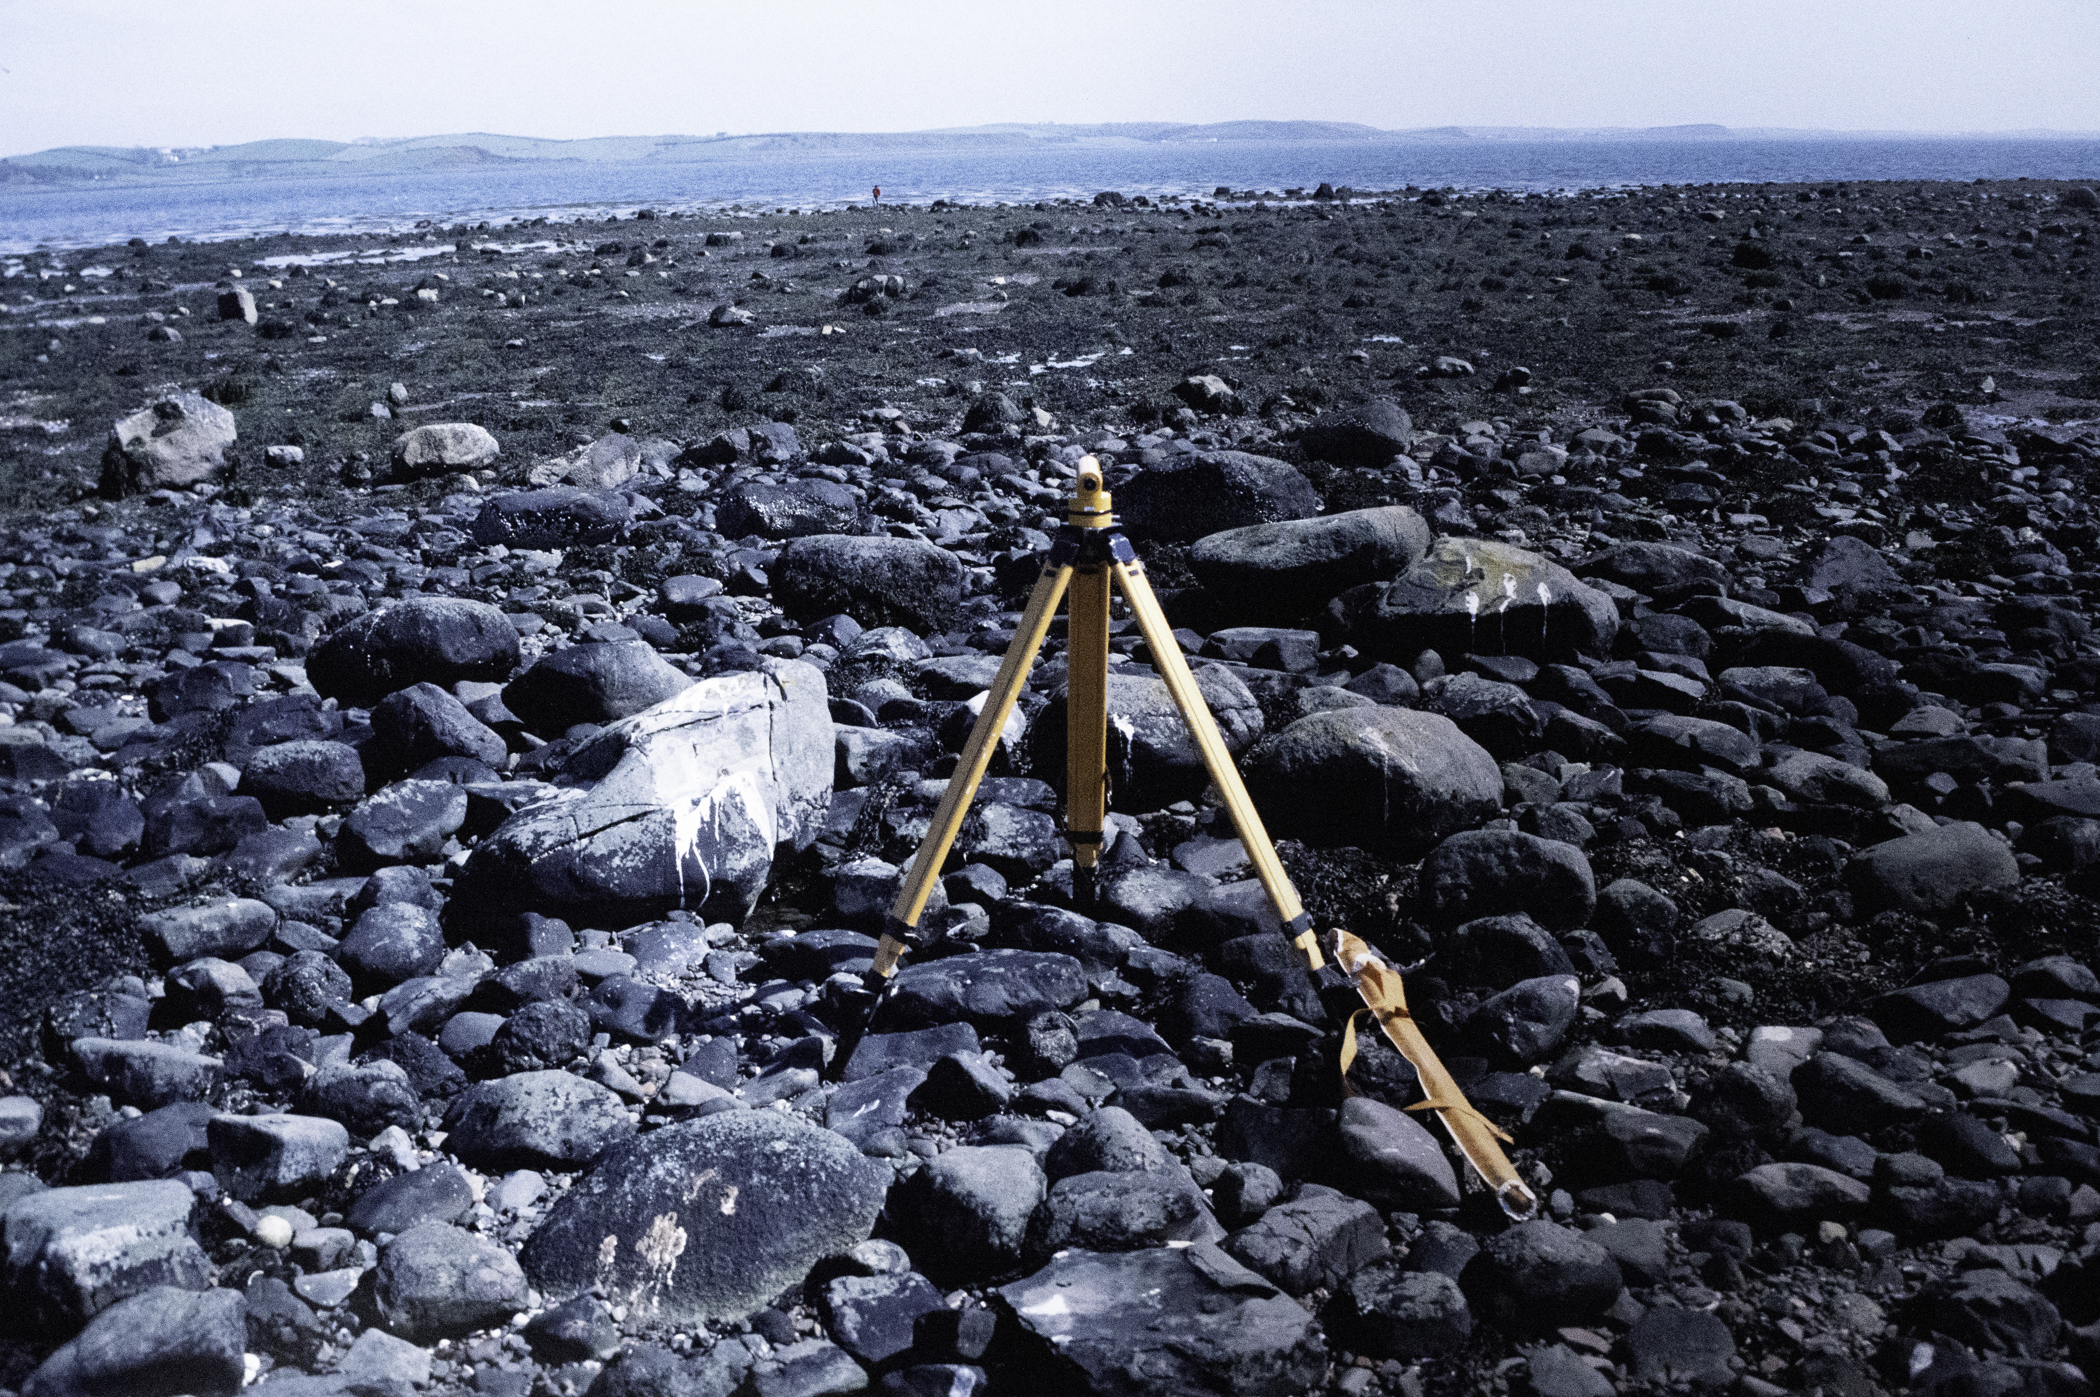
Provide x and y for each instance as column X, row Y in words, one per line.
column 1089, row 553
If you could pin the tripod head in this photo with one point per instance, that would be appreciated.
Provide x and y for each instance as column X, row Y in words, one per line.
column 1091, row 506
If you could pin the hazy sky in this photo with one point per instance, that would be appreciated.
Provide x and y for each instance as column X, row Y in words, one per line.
column 206, row 72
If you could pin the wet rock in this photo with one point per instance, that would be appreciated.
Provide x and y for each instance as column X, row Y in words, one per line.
column 1539, row 1276
column 1688, row 1346
column 145, row 1074
column 1638, row 923
column 1110, row 1211
column 407, row 822
column 1313, row 1242
column 985, row 988
column 422, row 723
column 1369, row 435
column 1179, row 1320
column 560, row 516
column 228, row 928
column 1992, row 1311
column 1792, row 1196
column 304, row 778
column 435, row 1193
column 1389, row 1158
column 20, row 1119
column 709, row 1218
column 274, row 1156
column 1840, row 1091
column 574, row 1331
column 1526, row 1022
column 874, row 1317
column 367, row 1097
column 1942, row 1006
column 393, row 942
column 1108, row 1139
column 793, row 509
column 967, row 1210
column 1151, row 757
column 1663, row 571
column 1928, row 874
column 1388, row 1312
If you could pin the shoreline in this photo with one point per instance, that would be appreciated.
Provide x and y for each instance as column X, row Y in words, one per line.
column 975, row 179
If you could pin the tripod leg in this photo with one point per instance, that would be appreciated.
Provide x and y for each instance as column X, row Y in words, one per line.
column 969, row 768
column 1174, row 669
column 1086, row 722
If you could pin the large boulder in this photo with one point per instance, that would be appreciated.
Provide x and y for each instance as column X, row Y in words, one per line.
column 693, row 796
column 443, row 446
column 596, row 683
column 67, row 1254
column 709, row 1219
column 1662, row 570
column 794, row 509
column 1392, row 779
column 1539, row 1276
column 170, row 444
column 605, row 464
column 877, row 581
column 1490, row 873
column 156, row 1344
column 536, row 1120
column 1152, row 759
column 435, row 640
column 1281, row 571
column 1931, row 873
column 1368, row 435
column 437, row 1281
column 1474, row 596
column 1189, row 495
column 560, row 516
column 1171, row 1321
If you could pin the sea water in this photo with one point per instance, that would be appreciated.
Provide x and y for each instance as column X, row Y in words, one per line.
column 96, row 213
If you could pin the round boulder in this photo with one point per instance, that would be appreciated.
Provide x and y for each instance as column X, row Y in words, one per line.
column 1368, row 435
column 594, row 683
column 1390, row 779
column 1475, row 596
column 1281, row 571
column 1540, row 1276
column 877, row 581
column 1930, row 873
column 441, row 447
column 1190, row 495
column 1493, row 873
column 438, row 640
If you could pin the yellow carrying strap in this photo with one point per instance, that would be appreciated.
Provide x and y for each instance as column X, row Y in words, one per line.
column 1477, row 1137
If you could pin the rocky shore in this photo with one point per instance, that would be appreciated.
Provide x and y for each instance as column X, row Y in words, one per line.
column 469, row 697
